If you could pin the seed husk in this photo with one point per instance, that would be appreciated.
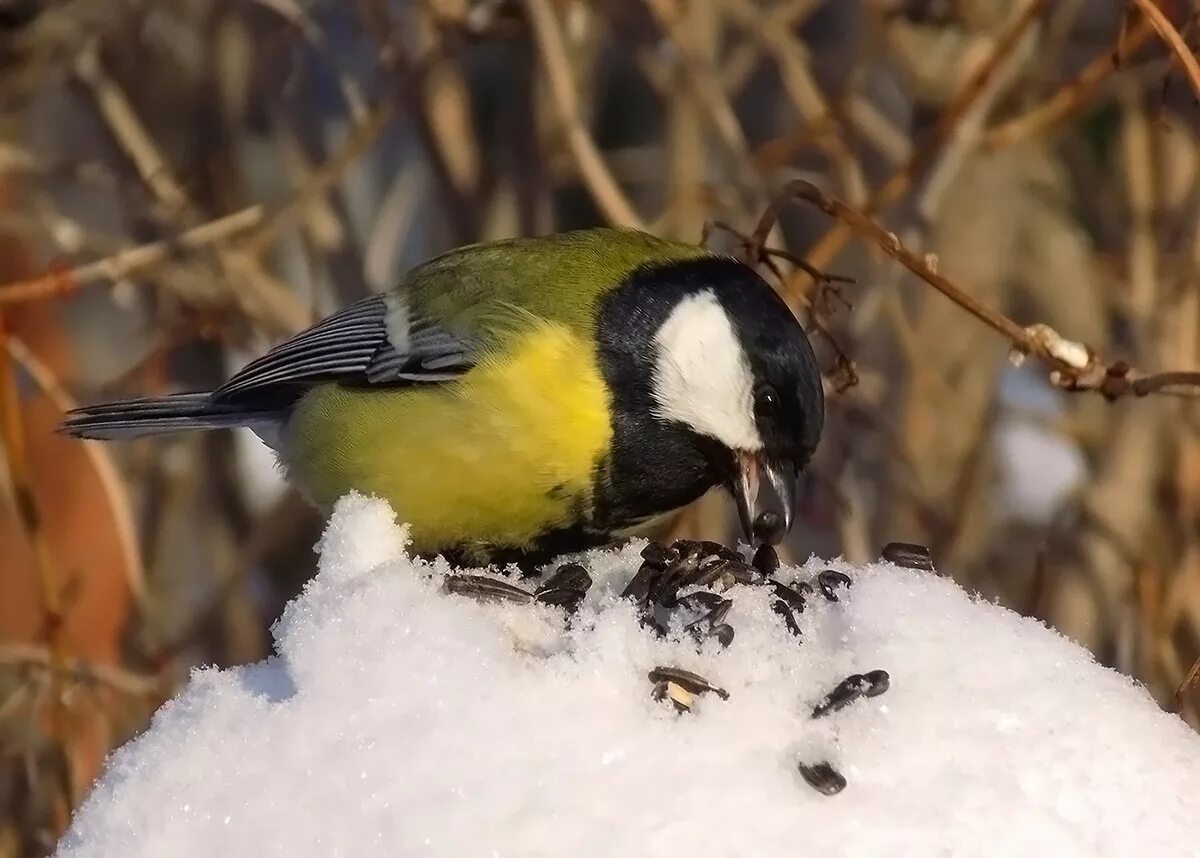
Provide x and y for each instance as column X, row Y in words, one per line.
column 828, row 582
column 692, row 682
column 486, row 589
column 794, row 596
column 842, row 695
column 784, row 610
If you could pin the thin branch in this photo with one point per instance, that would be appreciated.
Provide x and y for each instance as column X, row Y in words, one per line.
column 827, row 247
column 1074, row 366
column 77, row 670
column 592, row 169
column 798, row 81
column 269, row 300
column 65, row 280
column 1171, row 36
column 1189, row 682
column 361, row 138
column 119, row 504
column 49, row 578
column 128, row 130
column 1071, row 97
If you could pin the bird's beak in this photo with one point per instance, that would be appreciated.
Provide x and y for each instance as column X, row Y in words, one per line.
column 761, row 521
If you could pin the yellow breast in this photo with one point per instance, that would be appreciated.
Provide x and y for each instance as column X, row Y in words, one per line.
column 498, row 457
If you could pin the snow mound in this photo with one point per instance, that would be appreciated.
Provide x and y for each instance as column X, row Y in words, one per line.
column 399, row 720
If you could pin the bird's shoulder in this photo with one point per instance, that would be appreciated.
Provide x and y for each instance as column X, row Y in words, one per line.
column 558, row 278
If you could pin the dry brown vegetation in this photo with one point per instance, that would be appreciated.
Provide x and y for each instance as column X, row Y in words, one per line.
column 183, row 183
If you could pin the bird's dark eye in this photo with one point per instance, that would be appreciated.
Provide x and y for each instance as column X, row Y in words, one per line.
column 765, row 398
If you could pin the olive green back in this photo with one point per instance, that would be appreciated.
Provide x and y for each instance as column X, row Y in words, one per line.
column 483, row 290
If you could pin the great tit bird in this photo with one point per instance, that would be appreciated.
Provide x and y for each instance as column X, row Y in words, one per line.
column 530, row 397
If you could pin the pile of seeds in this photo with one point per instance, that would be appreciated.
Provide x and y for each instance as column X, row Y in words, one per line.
column 687, row 584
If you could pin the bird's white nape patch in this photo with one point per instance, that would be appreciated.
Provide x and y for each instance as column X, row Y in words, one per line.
column 702, row 377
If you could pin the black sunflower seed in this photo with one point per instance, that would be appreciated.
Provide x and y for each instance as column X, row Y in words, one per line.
column 659, row 555
column 701, row 600
column 842, row 695
column 566, row 587
column 822, row 777
column 485, row 589
column 640, row 584
column 741, row 573
column 768, row 527
column 766, row 559
column 909, row 555
column 875, row 682
column 723, row 633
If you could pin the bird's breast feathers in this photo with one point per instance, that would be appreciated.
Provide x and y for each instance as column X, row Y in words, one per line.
column 499, row 456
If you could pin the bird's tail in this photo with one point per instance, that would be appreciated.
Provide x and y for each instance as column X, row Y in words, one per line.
column 181, row 412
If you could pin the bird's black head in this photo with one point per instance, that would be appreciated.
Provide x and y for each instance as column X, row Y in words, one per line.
column 714, row 382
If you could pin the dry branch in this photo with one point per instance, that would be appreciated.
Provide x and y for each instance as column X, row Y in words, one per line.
column 83, row 672
column 65, row 280
column 595, row 173
column 1162, row 24
column 1074, row 366
column 1071, row 97
column 823, row 251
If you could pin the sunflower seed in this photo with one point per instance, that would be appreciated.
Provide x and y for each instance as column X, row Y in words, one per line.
column 486, row 589
column 822, row 777
column 691, row 682
column 875, row 682
column 565, row 588
column 909, row 555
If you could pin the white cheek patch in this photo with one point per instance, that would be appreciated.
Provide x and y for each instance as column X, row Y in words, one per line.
column 701, row 377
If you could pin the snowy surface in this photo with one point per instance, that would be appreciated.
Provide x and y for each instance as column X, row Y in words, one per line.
column 398, row 720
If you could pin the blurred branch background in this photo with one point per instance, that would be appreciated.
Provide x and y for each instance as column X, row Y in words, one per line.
column 182, row 184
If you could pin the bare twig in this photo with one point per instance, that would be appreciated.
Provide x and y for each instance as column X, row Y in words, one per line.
column 269, row 300
column 801, row 86
column 702, row 80
column 1189, row 682
column 1074, row 366
column 827, row 247
column 50, row 584
column 106, row 472
column 1162, row 24
column 360, row 139
column 592, row 169
column 77, row 670
column 127, row 128
column 64, row 280
column 1072, row 97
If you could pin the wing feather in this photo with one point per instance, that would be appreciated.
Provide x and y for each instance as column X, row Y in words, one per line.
column 374, row 341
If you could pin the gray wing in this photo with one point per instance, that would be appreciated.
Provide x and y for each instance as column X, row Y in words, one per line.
column 374, row 341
